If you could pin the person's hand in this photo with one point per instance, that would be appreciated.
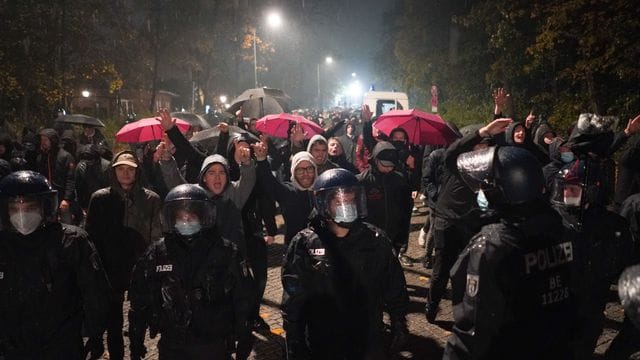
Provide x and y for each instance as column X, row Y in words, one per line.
column 298, row 134
column 500, row 97
column 260, row 150
column 528, row 123
column 223, row 127
column 162, row 152
column 165, row 119
column 242, row 155
column 64, row 205
column 497, row 126
column 633, row 126
column 269, row 239
column 366, row 113
column 414, row 194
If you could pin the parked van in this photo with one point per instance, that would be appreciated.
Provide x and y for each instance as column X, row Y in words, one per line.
column 382, row 101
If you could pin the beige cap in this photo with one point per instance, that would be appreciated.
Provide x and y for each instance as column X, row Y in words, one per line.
column 125, row 159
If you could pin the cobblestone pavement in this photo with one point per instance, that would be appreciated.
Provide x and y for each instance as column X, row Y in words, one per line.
column 426, row 341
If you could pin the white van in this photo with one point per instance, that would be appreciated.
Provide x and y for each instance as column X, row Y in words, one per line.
column 382, row 101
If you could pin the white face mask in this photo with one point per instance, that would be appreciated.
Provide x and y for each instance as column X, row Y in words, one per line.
column 346, row 213
column 25, row 222
column 482, row 201
column 572, row 201
column 188, row 228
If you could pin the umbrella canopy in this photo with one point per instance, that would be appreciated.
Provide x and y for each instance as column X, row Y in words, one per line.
column 423, row 128
column 209, row 138
column 278, row 125
column 192, row 119
column 258, row 102
column 144, row 130
column 79, row 119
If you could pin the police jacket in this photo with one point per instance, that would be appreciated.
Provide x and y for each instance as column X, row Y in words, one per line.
column 512, row 291
column 335, row 290
column 388, row 202
column 192, row 294
column 51, row 286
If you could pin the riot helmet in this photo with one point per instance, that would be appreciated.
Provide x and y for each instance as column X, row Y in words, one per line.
column 507, row 175
column 188, row 210
column 340, row 197
column 26, row 202
column 629, row 293
column 583, row 182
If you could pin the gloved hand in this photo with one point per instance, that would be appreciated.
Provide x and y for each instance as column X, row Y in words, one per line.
column 400, row 335
column 95, row 347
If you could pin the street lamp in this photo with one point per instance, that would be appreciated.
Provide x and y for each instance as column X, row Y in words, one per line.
column 273, row 20
column 328, row 60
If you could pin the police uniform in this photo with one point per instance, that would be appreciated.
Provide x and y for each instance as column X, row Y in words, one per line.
column 51, row 286
column 195, row 296
column 335, row 290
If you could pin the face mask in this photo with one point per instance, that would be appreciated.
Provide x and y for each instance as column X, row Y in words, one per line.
column 572, row 201
column 566, row 157
column 482, row 201
column 25, row 222
column 188, row 228
column 346, row 213
column 399, row 145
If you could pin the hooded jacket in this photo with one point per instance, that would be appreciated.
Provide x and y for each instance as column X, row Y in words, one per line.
column 122, row 224
column 388, row 197
column 327, row 164
column 91, row 174
column 231, row 200
column 528, row 144
column 296, row 201
column 57, row 166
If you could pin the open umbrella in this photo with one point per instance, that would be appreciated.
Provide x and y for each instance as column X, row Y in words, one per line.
column 209, row 138
column 423, row 128
column 79, row 119
column 192, row 119
column 258, row 102
column 144, row 130
column 278, row 125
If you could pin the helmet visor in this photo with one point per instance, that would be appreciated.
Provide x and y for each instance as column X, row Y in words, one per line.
column 182, row 212
column 476, row 168
column 342, row 204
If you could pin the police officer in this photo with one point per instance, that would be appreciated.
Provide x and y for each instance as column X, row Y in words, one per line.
column 51, row 280
column 512, row 285
column 189, row 285
column 339, row 275
column 603, row 241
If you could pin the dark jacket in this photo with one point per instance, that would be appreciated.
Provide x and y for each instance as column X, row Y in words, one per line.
column 91, row 174
column 432, row 175
column 513, row 291
column 349, row 147
column 295, row 204
column 57, row 166
column 191, row 294
column 52, row 285
column 342, row 162
column 388, row 199
column 122, row 225
column 335, row 290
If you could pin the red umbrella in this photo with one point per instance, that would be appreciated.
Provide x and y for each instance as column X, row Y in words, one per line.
column 278, row 125
column 423, row 128
column 145, row 130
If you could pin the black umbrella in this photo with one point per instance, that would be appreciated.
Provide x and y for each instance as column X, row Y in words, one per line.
column 209, row 138
column 79, row 119
column 258, row 102
column 192, row 119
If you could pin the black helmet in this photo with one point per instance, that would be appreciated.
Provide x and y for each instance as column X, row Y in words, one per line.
column 339, row 197
column 27, row 201
column 507, row 175
column 188, row 210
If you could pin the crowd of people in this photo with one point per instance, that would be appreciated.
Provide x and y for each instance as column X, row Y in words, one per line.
column 530, row 227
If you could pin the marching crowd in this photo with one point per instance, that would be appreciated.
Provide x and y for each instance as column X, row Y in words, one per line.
column 531, row 227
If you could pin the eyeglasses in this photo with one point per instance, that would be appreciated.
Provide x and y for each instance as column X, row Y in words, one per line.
column 308, row 170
